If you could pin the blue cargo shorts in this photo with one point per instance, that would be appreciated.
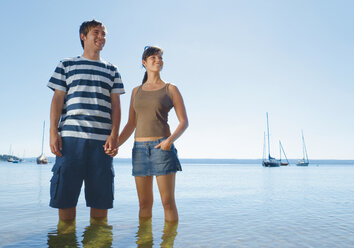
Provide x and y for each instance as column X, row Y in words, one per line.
column 150, row 161
column 83, row 160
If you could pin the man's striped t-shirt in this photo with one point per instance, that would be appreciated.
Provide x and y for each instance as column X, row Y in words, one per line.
column 87, row 107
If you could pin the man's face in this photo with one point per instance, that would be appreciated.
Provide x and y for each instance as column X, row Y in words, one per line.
column 95, row 38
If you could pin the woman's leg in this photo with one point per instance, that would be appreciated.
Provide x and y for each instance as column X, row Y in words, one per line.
column 166, row 185
column 145, row 195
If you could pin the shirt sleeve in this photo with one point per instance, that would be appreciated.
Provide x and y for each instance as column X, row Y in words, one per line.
column 58, row 80
column 118, row 86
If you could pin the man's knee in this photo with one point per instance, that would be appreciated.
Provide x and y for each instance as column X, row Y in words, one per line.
column 67, row 214
column 99, row 213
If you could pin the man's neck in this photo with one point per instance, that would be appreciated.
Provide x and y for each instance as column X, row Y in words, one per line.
column 92, row 55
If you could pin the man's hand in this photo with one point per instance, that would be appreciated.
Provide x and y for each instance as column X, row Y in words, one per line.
column 56, row 144
column 111, row 146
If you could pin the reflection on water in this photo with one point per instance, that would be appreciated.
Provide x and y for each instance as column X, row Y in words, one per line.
column 97, row 234
column 169, row 234
column 64, row 236
column 144, row 237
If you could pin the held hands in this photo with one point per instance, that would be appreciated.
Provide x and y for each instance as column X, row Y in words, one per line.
column 56, row 144
column 165, row 145
column 111, row 146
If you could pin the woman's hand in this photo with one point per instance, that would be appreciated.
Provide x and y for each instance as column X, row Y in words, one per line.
column 111, row 146
column 165, row 145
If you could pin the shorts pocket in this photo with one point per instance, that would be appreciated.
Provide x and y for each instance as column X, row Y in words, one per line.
column 54, row 182
column 113, row 175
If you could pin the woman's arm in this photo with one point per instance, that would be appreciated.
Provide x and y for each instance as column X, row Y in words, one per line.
column 130, row 126
column 181, row 113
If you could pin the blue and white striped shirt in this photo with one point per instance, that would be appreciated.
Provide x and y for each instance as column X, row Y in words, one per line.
column 87, row 107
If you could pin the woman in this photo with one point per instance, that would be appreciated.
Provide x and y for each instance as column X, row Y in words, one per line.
column 154, row 153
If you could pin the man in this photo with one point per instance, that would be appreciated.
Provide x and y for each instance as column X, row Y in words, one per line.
column 86, row 102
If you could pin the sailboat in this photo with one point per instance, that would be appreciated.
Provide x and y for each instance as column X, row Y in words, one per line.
column 42, row 159
column 305, row 160
column 283, row 163
column 270, row 161
column 11, row 158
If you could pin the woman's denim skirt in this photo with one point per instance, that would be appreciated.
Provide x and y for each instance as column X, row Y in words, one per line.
column 151, row 161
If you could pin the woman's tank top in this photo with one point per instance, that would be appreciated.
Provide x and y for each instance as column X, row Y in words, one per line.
column 151, row 112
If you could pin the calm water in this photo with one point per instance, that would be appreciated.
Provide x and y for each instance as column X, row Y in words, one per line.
column 219, row 206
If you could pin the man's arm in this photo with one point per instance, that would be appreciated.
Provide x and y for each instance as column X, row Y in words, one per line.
column 111, row 145
column 55, row 113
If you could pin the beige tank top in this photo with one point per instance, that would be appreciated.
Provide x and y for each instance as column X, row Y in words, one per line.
column 151, row 112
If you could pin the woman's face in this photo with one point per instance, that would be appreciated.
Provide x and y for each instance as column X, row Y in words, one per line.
column 153, row 63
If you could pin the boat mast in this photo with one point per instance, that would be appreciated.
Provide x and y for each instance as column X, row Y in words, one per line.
column 281, row 147
column 43, row 136
column 304, row 151
column 268, row 137
column 264, row 146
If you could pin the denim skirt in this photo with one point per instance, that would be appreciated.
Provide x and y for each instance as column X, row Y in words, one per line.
column 150, row 161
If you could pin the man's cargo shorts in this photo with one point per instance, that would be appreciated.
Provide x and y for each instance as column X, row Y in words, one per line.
column 83, row 160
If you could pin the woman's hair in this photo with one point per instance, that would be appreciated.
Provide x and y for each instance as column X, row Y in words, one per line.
column 149, row 51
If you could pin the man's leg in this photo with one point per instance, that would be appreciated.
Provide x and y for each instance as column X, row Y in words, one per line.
column 67, row 214
column 98, row 213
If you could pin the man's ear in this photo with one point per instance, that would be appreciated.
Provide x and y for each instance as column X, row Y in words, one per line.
column 82, row 37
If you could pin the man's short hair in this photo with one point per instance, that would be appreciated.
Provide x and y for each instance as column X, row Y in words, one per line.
column 86, row 27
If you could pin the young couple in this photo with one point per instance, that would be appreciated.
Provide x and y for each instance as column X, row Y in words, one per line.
column 84, row 130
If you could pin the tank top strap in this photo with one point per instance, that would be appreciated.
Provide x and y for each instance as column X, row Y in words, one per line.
column 139, row 89
column 167, row 90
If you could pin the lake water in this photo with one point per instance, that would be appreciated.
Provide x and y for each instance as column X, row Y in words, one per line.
column 220, row 205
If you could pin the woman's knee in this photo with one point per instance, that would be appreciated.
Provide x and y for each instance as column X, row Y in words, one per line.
column 168, row 203
column 145, row 203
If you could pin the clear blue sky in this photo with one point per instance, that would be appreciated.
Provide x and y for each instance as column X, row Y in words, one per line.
column 232, row 60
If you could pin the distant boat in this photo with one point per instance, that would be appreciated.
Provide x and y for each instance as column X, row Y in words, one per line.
column 12, row 158
column 270, row 161
column 42, row 159
column 283, row 163
column 305, row 160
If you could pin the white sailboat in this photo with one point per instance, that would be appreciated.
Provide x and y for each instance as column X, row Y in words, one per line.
column 305, row 160
column 42, row 159
column 270, row 161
